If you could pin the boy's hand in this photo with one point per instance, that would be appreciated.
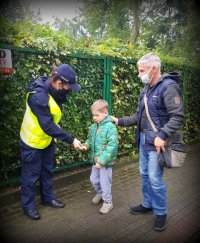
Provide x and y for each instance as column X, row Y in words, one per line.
column 97, row 165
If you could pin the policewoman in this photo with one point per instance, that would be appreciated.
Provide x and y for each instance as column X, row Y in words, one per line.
column 39, row 130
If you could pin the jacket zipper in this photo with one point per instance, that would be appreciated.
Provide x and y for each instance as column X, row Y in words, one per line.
column 95, row 142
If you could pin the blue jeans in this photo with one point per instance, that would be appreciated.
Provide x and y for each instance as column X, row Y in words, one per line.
column 153, row 187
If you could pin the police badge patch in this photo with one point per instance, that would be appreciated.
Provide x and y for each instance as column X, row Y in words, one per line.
column 177, row 100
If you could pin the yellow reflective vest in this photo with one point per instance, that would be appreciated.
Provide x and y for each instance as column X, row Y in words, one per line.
column 31, row 133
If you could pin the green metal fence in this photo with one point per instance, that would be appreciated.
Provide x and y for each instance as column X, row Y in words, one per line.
column 22, row 58
column 98, row 76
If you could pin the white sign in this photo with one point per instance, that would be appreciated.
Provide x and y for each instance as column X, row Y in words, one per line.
column 5, row 62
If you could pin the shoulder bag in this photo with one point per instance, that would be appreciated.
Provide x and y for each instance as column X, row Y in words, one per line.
column 175, row 152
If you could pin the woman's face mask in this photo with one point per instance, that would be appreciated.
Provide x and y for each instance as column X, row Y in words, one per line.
column 59, row 95
column 63, row 92
column 145, row 78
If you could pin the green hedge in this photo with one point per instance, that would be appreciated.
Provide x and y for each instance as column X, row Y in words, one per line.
column 76, row 112
column 77, row 116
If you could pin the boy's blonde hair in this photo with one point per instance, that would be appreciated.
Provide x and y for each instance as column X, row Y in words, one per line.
column 100, row 105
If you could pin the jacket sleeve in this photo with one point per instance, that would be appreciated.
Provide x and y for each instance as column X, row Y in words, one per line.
column 39, row 105
column 174, row 106
column 88, row 142
column 110, row 151
column 128, row 120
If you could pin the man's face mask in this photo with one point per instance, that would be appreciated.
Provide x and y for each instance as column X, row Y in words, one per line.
column 145, row 78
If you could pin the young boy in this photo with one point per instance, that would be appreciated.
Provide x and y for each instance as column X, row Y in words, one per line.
column 103, row 144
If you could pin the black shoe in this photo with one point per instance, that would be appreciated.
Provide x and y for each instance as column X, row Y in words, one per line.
column 32, row 214
column 140, row 210
column 160, row 222
column 54, row 204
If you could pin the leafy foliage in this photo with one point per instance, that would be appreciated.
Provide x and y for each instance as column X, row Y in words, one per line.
column 165, row 24
column 108, row 18
column 126, row 87
column 169, row 26
column 77, row 116
column 76, row 119
column 18, row 11
column 87, row 58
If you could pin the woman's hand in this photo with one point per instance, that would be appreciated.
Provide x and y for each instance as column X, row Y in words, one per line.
column 77, row 144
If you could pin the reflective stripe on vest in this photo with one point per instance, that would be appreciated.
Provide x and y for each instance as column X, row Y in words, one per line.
column 31, row 133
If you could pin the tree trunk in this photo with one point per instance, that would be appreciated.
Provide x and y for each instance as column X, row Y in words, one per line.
column 135, row 27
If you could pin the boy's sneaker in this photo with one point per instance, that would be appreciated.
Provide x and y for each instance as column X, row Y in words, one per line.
column 106, row 207
column 160, row 222
column 97, row 198
column 140, row 210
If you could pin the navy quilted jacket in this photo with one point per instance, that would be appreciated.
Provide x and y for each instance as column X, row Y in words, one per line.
column 165, row 108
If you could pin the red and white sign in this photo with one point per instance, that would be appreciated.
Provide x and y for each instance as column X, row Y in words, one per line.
column 5, row 62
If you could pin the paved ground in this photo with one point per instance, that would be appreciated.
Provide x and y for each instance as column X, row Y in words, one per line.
column 80, row 221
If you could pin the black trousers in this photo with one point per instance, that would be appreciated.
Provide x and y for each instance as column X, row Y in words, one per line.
column 37, row 165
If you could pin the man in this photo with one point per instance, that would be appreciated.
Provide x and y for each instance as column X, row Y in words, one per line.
column 39, row 130
column 166, row 110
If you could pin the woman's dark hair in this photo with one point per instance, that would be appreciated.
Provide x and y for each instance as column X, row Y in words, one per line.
column 53, row 76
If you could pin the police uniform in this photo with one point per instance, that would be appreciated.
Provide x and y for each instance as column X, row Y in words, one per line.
column 38, row 132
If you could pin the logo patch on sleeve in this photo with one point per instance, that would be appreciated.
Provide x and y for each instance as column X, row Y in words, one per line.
column 177, row 100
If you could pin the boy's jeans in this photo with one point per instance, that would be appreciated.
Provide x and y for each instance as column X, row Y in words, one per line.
column 101, row 180
column 153, row 187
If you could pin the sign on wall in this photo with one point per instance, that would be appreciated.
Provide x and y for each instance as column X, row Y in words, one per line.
column 5, row 62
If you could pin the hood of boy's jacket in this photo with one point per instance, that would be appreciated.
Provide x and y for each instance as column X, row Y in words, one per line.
column 172, row 75
column 107, row 119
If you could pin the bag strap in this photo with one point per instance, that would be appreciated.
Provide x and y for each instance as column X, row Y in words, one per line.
column 148, row 115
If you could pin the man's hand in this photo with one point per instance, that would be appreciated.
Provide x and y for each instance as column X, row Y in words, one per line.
column 97, row 165
column 159, row 144
column 115, row 120
column 77, row 144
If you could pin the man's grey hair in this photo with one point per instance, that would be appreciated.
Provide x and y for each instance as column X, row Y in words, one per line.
column 150, row 59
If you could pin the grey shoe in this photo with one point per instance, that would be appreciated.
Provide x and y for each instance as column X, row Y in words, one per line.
column 97, row 198
column 106, row 207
